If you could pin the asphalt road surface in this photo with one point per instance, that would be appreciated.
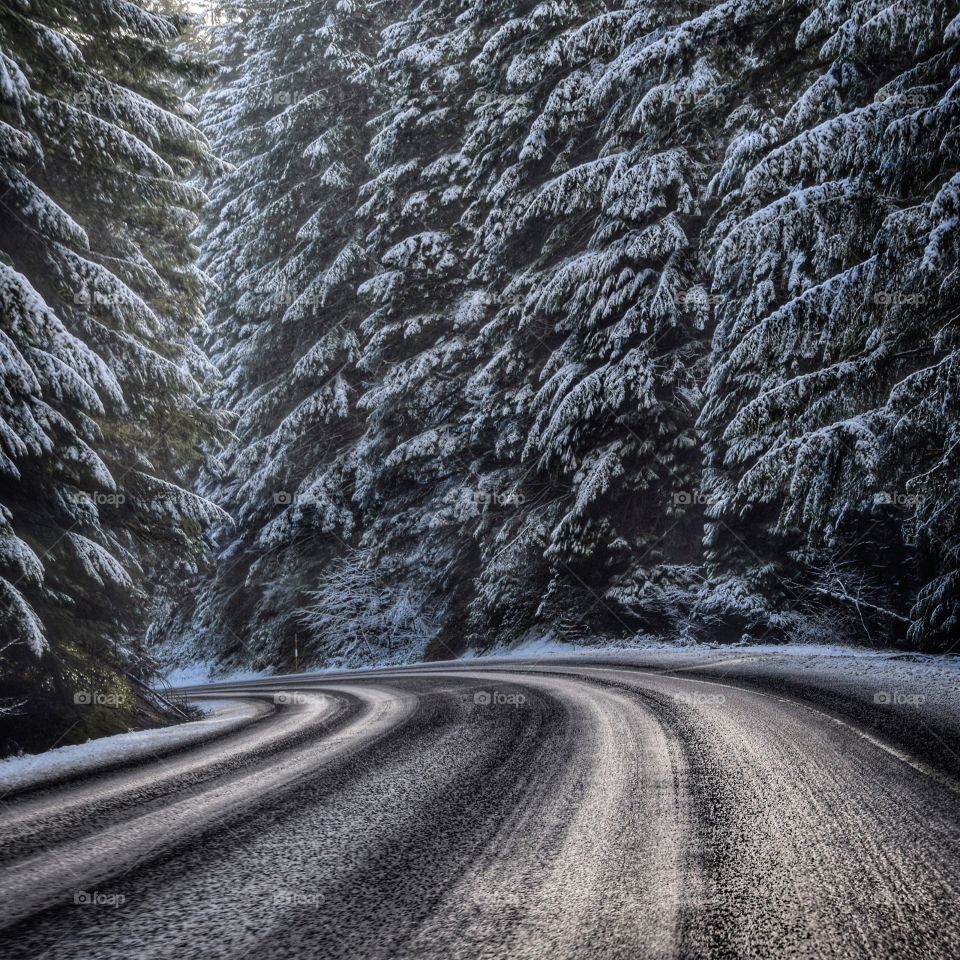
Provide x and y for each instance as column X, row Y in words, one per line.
column 513, row 810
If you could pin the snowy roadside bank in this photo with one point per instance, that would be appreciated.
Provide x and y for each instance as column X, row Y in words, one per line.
column 905, row 677
column 896, row 678
column 205, row 671
column 31, row 771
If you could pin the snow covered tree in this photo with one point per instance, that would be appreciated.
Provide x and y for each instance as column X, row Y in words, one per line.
column 414, row 463
column 99, row 410
column 514, row 296
column 283, row 247
column 595, row 159
column 831, row 410
column 532, row 125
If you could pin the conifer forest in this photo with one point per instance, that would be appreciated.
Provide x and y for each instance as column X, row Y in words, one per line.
column 384, row 332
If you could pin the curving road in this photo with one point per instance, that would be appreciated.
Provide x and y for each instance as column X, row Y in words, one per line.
column 507, row 810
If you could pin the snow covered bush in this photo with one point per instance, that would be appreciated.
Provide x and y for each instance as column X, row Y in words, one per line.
column 356, row 617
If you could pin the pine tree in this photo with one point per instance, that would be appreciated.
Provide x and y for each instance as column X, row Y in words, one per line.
column 532, row 128
column 414, row 462
column 282, row 247
column 591, row 225
column 830, row 408
column 99, row 412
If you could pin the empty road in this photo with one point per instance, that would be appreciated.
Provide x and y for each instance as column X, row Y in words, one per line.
column 513, row 809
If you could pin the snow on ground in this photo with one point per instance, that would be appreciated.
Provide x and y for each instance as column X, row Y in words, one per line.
column 805, row 656
column 36, row 770
column 206, row 672
column 929, row 684
column 926, row 683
